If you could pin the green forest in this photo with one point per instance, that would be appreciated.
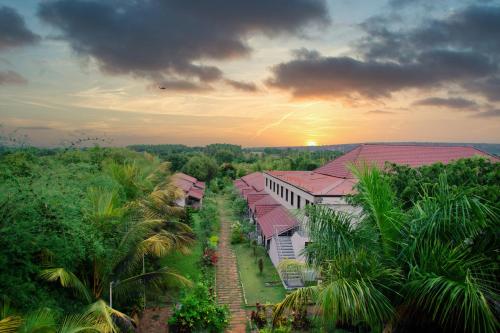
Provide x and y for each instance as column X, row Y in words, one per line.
column 90, row 237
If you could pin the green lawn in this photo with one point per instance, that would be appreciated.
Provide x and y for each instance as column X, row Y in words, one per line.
column 254, row 284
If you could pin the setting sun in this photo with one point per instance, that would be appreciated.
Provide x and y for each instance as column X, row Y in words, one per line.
column 311, row 143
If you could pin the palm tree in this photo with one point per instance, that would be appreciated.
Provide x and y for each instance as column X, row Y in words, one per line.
column 44, row 321
column 390, row 269
column 141, row 237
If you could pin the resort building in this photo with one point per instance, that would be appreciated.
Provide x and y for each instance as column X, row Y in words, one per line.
column 275, row 197
column 192, row 188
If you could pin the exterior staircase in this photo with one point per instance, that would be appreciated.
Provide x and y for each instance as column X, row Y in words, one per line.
column 291, row 278
column 285, row 247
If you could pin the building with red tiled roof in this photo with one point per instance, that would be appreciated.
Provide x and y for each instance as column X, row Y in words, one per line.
column 411, row 155
column 273, row 195
column 276, row 221
column 331, row 182
column 192, row 188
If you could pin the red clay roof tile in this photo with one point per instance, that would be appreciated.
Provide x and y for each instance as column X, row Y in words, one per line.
column 412, row 155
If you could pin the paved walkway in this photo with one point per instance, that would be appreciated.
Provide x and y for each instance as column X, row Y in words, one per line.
column 228, row 283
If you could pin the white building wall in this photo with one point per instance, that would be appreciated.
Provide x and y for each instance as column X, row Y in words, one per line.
column 299, row 243
column 273, row 253
column 338, row 204
column 181, row 202
column 291, row 189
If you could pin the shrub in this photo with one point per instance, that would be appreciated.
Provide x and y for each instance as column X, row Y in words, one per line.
column 209, row 257
column 239, row 206
column 258, row 316
column 213, row 241
column 237, row 235
column 199, row 311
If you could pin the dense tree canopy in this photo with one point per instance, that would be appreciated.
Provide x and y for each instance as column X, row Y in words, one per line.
column 477, row 176
column 84, row 216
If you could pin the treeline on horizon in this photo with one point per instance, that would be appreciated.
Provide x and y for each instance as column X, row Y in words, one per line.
column 234, row 161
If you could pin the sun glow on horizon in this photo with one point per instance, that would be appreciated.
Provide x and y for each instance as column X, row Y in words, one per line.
column 311, row 143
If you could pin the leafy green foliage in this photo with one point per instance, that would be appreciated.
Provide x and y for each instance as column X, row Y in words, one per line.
column 83, row 218
column 430, row 266
column 476, row 176
column 201, row 167
column 199, row 311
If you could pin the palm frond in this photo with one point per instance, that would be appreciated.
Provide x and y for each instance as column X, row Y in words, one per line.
column 379, row 205
column 40, row 321
column 10, row 324
column 296, row 300
column 156, row 280
column 67, row 280
column 105, row 317
column 103, row 205
column 139, row 230
column 351, row 301
column 455, row 287
column 161, row 204
column 331, row 234
column 448, row 216
column 79, row 323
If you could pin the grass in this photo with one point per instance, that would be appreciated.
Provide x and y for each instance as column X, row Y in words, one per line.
column 254, row 283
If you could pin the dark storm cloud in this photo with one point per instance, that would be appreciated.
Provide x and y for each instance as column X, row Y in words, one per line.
column 474, row 28
column 171, row 38
column 11, row 77
column 13, row 30
column 315, row 75
column 457, row 102
column 489, row 87
column 461, row 49
column 244, row 86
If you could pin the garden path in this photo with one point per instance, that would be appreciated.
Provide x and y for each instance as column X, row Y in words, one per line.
column 228, row 283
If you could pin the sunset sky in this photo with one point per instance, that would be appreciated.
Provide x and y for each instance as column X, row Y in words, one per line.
column 255, row 73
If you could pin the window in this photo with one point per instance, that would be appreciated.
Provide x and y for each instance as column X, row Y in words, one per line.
column 291, row 198
column 298, row 201
column 274, row 187
column 282, row 191
column 307, row 202
column 286, row 195
column 267, row 181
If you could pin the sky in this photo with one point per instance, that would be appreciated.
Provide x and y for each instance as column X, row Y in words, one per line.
column 253, row 73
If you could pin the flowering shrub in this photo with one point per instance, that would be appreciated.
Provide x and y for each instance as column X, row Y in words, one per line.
column 209, row 257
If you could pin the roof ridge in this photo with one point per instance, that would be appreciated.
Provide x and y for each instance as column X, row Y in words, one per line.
column 423, row 144
column 352, row 161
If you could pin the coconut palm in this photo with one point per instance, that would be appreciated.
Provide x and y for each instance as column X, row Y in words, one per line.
column 44, row 321
column 140, row 238
column 389, row 269
column 103, row 315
